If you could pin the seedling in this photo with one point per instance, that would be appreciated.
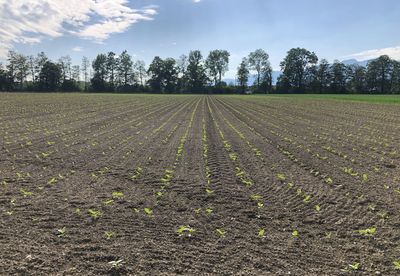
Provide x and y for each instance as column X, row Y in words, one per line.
column 295, row 234
column 95, row 214
column 109, row 235
column 261, row 233
column 368, row 232
column 209, row 191
column 317, row 208
column 25, row 193
column 396, row 264
column 365, row 177
column 52, row 181
column 307, row 199
column 221, row 233
column 185, row 230
column 117, row 195
column 61, row 232
column 108, row 202
column 148, row 211
column 209, row 211
column 116, row 264
column 354, row 266
column 281, row 177
column 328, row 180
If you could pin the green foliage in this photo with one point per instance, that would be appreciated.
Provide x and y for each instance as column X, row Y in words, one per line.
column 367, row 232
column 95, row 214
column 221, row 233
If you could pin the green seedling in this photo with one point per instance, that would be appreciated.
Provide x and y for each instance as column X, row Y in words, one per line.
column 367, row 232
column 281, row 177
column 261, row 233
column 295, row 234
column 117, row 195
column 328, row 235
column 108, row 202
column 136, row 210
column 221, row 233
column 307, row 199
column 52, row 181
column 365, row 177
column 185, row 230
column 256, row 197
column 61, row 232
column 354, row 266
column 25, row 193
column 209, row 191
column 209, row 211
column 317, row 208
column 148, row 211
column 260, row 205
column 95, row 214
column 116, row 264
column 328, row 180
column 109, row 235
column 396, row 264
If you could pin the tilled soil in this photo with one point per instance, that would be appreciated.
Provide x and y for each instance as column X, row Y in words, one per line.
column 166, row 185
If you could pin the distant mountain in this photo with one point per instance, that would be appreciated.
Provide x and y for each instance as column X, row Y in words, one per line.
column 253, row 78
column 356, row 62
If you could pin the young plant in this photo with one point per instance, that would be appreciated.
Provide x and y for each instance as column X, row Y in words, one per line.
column 116, row 264
column 185, row 231
column 148, row 211
column 354, row 266
column 61, row 232
column 396, row 264
column 117, row 195
column 368, row 232
column 221, row 233
column 109, row 235
column 261, row 233
column 95, row 214
column 295, row 234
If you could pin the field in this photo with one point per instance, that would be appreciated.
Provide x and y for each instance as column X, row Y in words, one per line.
column 249, row 185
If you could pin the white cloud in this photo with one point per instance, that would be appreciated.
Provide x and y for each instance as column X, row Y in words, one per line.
column 77, row 49
column 30, row 21
column 393, row 52
column 196, row 1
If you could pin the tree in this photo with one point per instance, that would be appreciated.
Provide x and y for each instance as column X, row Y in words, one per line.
column 395, row 79
column 125, row 68
column 258, row 61
column 155, row 73
column 182, row 64
column 195, row 74
column 323, row 76
column 99, row 65
column 112, row 63
column 294, row 68
column 85, row 70
column 217, row 64
column 49, row 77
column 140, row 67
column 357, row 79
column 339, row 77
column 65, row 66
column 18, row 68
column 243, row 74
column 170, row 75
column 379, row 74
column 3, row 78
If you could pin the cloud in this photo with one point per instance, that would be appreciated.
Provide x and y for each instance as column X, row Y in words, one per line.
column 30, row 21
column 393, row 52
column 77, row 49
column 196, row 1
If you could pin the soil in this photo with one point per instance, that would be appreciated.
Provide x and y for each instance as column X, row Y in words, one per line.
column 101, row 184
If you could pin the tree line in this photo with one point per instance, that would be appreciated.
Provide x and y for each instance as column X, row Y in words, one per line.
column 301, row 72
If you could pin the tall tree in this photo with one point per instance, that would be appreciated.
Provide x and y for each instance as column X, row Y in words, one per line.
column 85, row 71
column 294, row 68
column 99, row 65
column 339, row 77
column 155, row 73
column 217, row 64
column 50, row 76
column 112, row 63
column 259, row 62
column 65, row 63
column 196, row 73
column 140, row 68
column 243, row 74
column 170, row 75
column 182, row 64
column 323, row 76
column 18, row 68
column 125, row 68
column 357, row 79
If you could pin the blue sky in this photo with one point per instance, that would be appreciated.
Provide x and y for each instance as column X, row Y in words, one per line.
column 334, row 29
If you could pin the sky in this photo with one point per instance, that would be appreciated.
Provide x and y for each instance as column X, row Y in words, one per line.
column 333, row 29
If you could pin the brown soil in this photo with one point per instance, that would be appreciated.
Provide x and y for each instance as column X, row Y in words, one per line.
column 336, row 211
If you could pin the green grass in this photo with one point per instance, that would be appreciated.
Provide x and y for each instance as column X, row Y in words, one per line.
column 380, row 99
